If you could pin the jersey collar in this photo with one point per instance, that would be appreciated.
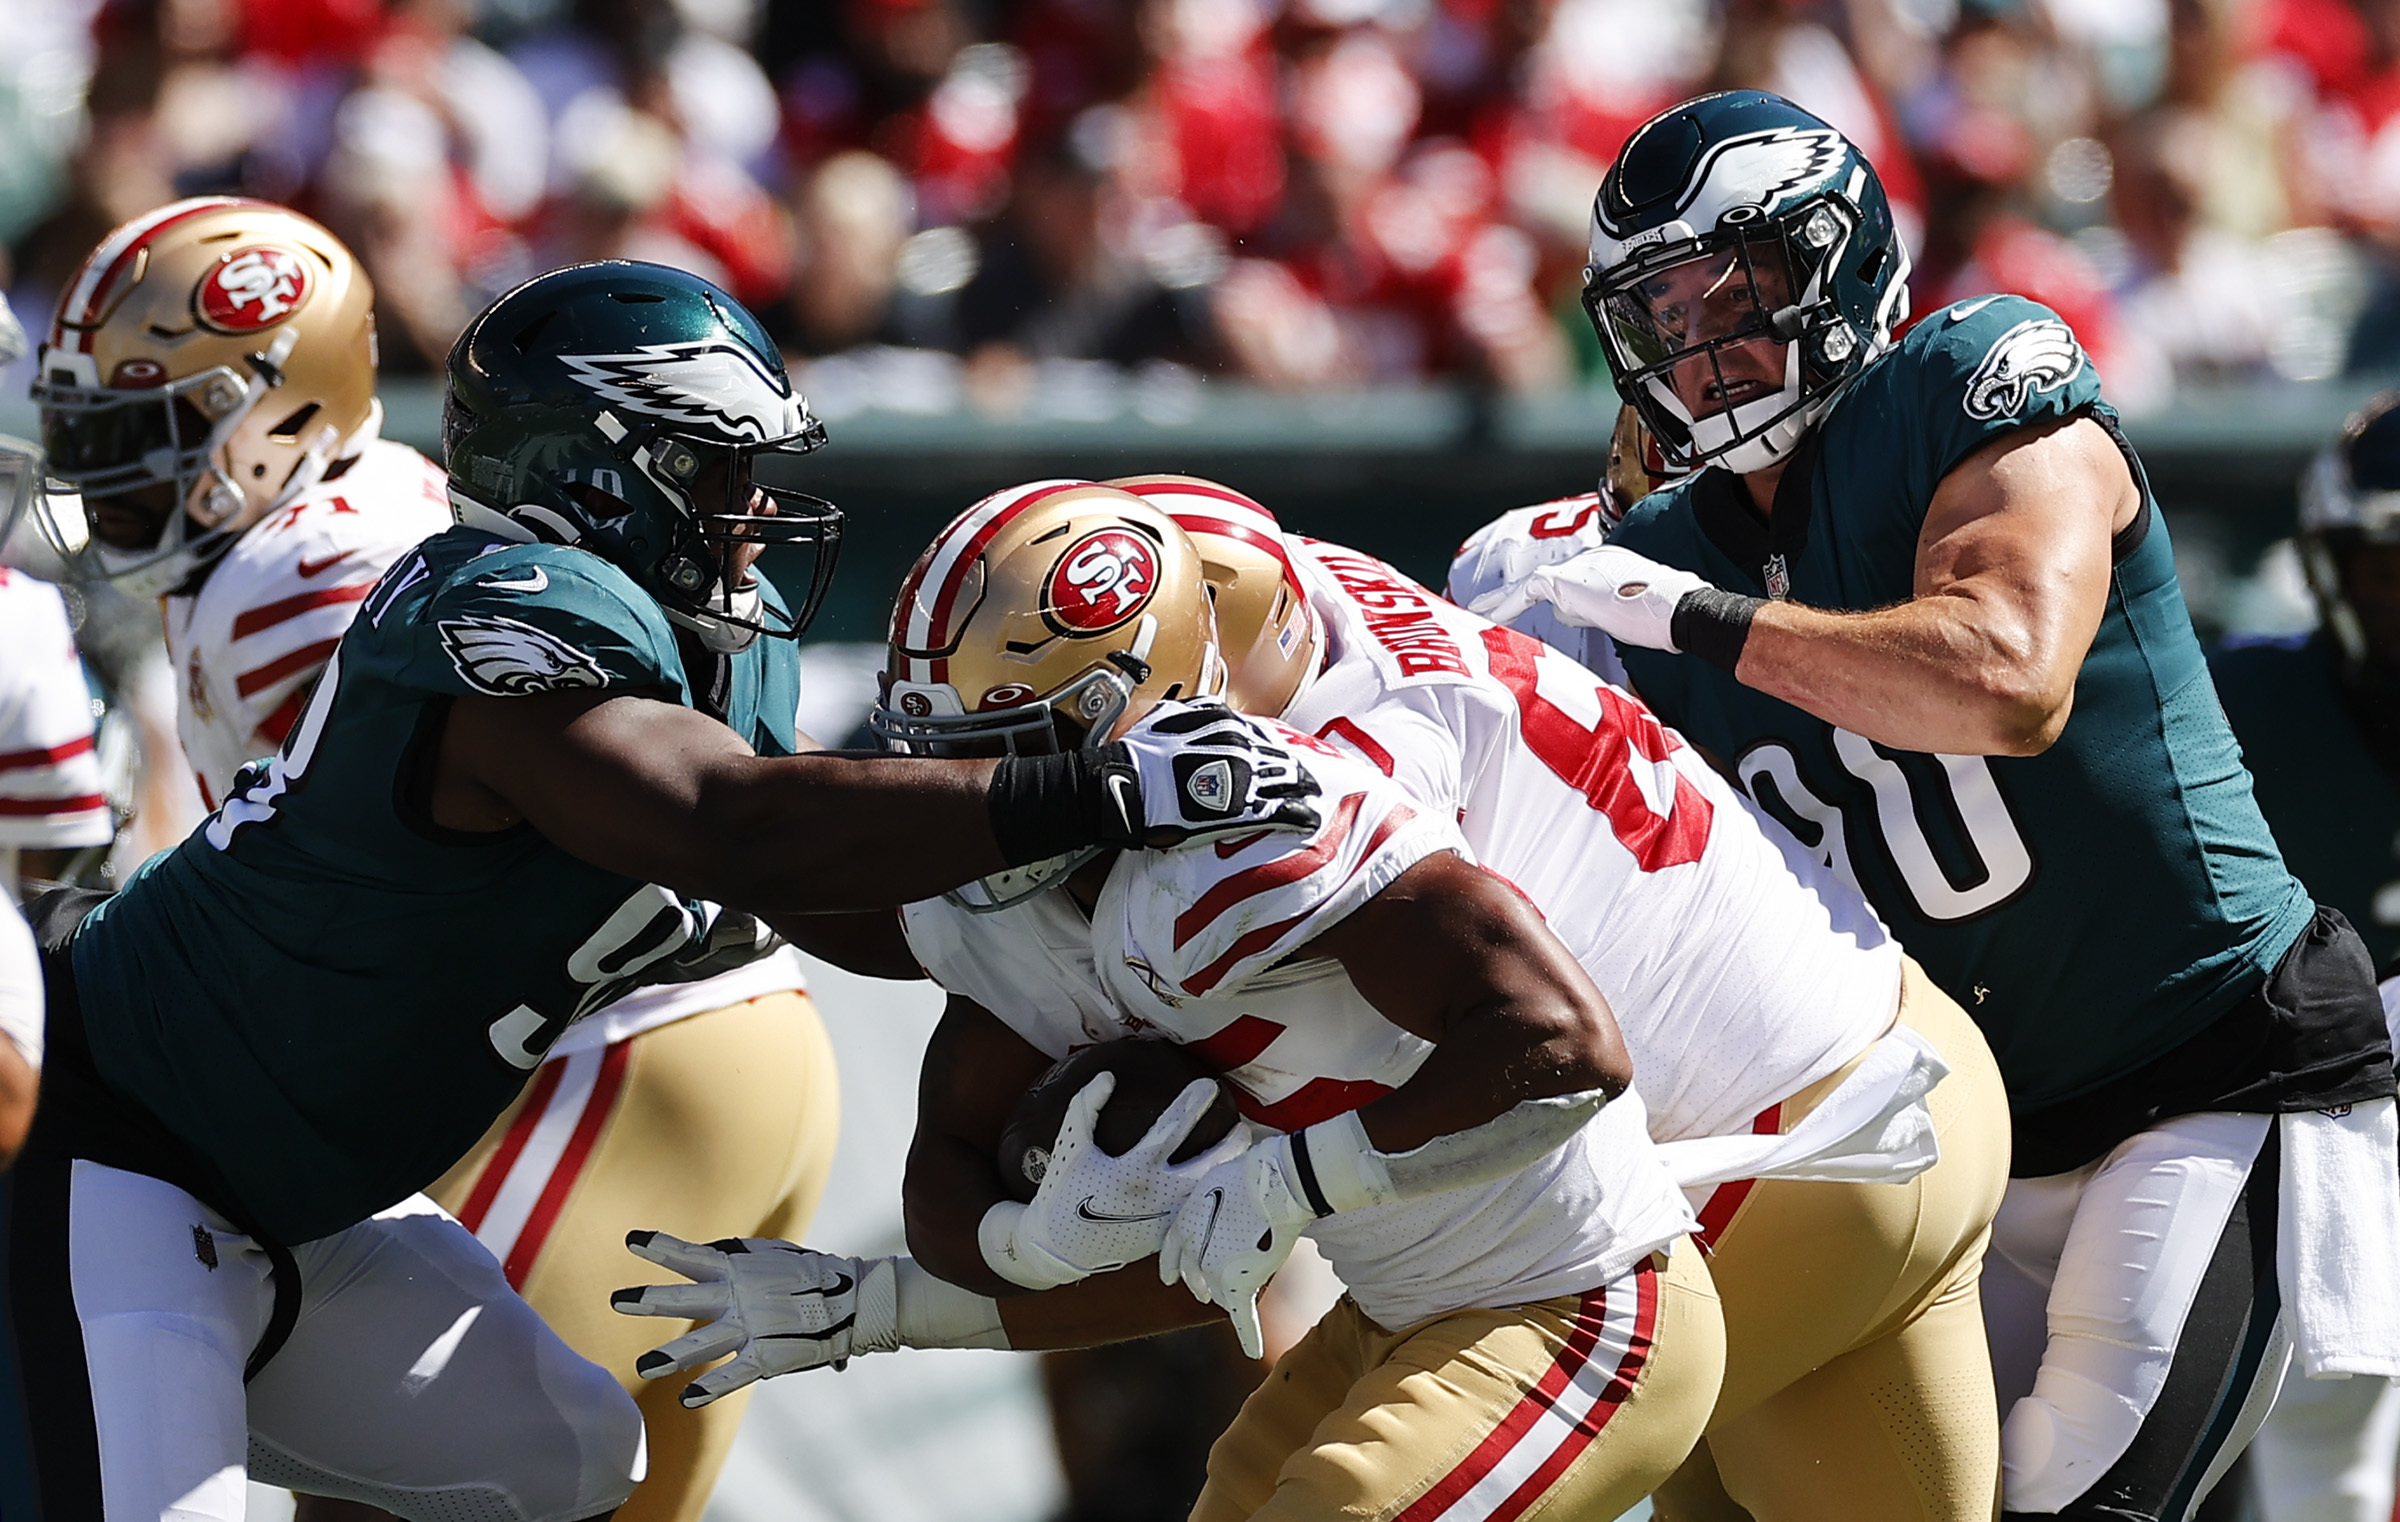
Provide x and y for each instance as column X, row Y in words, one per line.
column 1764, row 548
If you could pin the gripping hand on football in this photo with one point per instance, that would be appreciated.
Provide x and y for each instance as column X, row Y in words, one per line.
column 1092, row 1212
column 1198, row 771
column 1630, row 598
column 780, row 1309
column 1235, row 1229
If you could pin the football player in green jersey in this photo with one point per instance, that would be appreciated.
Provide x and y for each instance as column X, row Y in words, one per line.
column 512, row 797
column 2319, row 720
column 1917, row 596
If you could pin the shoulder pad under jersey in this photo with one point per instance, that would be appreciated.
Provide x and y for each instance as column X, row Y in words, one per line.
column 470, row 613
column 1978, row 369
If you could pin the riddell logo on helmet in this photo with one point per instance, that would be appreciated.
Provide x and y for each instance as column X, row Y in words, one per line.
column 1102, row 580
column 251, row 288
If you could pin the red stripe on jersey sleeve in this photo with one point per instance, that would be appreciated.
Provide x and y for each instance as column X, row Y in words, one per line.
column 1252, row 881
column 18, row 760
column 23, row 808
column 268, row 615
column 302, row 659
column 276, row 727
column 1361, row 740
column 1318, row 1099
column 1238, row 1043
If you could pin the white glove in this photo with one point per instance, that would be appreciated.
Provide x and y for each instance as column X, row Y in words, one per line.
column 1198, row 771
column 1094, row 1212
column 1630, row 598
column 1235, row 1230
column 1494, row 558
column 785, row 1308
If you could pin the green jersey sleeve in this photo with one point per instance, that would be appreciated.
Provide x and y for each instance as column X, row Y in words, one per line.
column 521, row 619
column 1979, row 369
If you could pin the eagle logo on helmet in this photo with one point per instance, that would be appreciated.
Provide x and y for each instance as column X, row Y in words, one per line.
column 1102, row 580
column 705, row 382
column 510, row 659
column 251, row 288
column 2039, row 354
column 1753, row 171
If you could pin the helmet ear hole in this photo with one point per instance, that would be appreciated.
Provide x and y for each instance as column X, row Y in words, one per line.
column 600, row 504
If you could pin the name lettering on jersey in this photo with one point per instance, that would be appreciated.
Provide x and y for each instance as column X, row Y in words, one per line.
column 1399, row 614
column 510, row 659
column 2036, row 355
column 395, row 581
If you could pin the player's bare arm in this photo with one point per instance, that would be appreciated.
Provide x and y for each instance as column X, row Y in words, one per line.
column 1450, row 953
column 2012, row 576
column 975, row 1068
column 973, row 1071
column 660, row 792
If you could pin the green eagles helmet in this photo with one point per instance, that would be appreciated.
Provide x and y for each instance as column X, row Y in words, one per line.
column 1743, row 269
column 622, row 407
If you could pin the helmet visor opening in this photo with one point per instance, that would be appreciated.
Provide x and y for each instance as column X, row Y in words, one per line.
column 113, row 445
column 1078, row 716
column 1705, row 323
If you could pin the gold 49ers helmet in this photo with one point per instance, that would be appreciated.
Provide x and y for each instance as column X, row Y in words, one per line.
column 1040, row 620
column 1272, row 639
column 207, row 363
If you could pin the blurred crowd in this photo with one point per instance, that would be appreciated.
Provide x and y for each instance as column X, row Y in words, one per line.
column 1062, row 204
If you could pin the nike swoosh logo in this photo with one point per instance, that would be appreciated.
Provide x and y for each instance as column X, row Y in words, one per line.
column 1084, row 1209
column 539, row 581
column 1967, row 309
column 310, row 569
column 1127, row 798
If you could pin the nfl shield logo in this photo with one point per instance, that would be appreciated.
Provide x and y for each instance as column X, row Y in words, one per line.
column 1779, row 579
column 1211, row 787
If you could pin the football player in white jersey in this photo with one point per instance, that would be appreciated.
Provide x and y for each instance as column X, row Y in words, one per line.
column 209, row 387
column 1746, row 977
column 1437, row 1090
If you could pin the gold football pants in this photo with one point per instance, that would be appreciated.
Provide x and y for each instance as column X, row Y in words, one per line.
column 1569, row 1408
column 1857, row 1380
column 718, row 1125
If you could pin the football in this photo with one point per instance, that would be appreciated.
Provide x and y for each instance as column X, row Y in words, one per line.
column 1149, row 1076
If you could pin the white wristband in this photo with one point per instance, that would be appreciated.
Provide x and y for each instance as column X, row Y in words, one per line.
column 934, row 1313
column 996, row 1235
column 1347, row 1171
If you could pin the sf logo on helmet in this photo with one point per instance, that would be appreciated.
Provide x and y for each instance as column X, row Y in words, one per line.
column 251, row 288
column 1102, row 580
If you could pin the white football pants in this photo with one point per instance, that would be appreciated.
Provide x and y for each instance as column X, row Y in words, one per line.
column 2136, row 1329
column 412, row 1378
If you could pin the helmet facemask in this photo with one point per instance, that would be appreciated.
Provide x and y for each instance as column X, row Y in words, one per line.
column 725, row 518
column 154, row 469
column 1730, row 343
column 1040, row 622
column 1080, row 715
column 209, row 362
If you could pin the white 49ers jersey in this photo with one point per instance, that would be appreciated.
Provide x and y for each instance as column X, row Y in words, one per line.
column 247, row 645
column 1207, row 946
column 50, row 790
column 1740, row 969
